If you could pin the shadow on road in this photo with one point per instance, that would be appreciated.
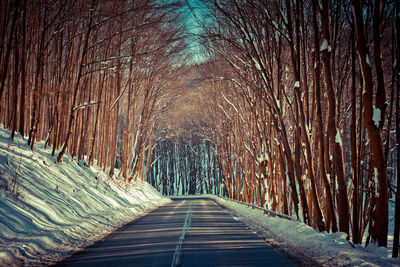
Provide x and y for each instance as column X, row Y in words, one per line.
column 212, row 237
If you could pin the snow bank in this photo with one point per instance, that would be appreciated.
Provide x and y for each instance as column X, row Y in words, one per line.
column 301, row 241
column 48, row 210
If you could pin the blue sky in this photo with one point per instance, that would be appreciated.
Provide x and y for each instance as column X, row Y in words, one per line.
column 194, row 28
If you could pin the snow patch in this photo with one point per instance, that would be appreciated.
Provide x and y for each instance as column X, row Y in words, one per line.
column 262, row 157
column 324, row 45
column 376, row 117
column 338, row 139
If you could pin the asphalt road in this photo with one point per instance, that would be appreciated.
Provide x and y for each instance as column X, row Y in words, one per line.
column 186, row 232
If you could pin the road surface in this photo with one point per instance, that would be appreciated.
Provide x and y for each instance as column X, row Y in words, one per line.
column 186, row 232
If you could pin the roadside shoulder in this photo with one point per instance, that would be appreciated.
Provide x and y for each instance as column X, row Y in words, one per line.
column 276, row 241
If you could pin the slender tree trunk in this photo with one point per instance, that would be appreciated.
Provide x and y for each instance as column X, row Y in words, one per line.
column 396, row 233
column 115, row 131
column 97, row 119
column 36, row 91
column 316, row 75
column 23, row 74
column 333, row 132
column 380, row 99
column 380, row 219
column 16, row 77
column 354, row 155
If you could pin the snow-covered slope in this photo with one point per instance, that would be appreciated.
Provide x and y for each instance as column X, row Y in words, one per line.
column 48, row 209
column 305, row 244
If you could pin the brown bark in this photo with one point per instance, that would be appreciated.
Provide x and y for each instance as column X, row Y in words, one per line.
column 77, row 83
column 354, row 155
column 37, row 89
column 295, row 59
column 316, row 75
column 4, row 65
column 16, row 79
column 334, row 135
column 380, row 99
column 396, row 232
column 380, row 219
column 23, row 73
column 115, row 130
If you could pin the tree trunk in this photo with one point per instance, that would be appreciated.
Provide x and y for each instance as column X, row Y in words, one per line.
column 23, row 74
column 333, row 132
column 353, row 142
column 396, row 233
column 316, row 75
column 115, row 131
column 16, row 76
column 380, row 220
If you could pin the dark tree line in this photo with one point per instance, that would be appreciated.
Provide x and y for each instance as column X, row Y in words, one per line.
column 186, row 168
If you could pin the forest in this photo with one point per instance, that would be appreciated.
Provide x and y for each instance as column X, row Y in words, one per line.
column 293, row 105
